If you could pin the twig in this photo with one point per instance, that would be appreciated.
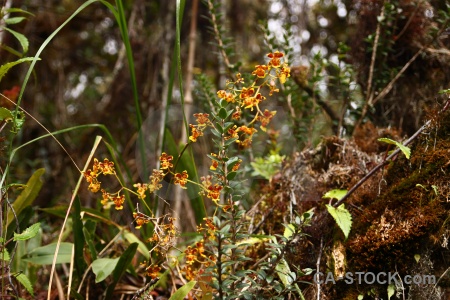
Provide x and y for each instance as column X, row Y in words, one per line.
column 318, row 267
column 373, row 58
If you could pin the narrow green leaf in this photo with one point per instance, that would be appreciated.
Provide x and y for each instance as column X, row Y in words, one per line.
column 44, row 255
column 342, row 217
column 79, row 239
column 18, row 10
column 183, row 291
column 14, row 20
column 406, row 150
column 25, row 282
column 20, row 37
column 28, row 233
column 90, row 243
column 28, row 195
column 5, row 68
column 103, row 267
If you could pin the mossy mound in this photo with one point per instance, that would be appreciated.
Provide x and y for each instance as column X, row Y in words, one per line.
column 401, row 220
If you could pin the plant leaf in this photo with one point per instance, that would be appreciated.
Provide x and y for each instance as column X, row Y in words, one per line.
column 28, row 233
column 406, row 150
column 20, row 37
column 132, row 238
column 390, row 291
column 44, row 255
column 5, row 68
column 28, row 195
column 103, row 267
column 183, row 291
column 342, row 217
column 25, row 282
column 14, row 20
column 335, row 194
column 4, row 255
column 5, row 114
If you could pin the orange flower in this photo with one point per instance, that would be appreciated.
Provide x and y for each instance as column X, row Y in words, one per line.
column 275, row 61
column 273, row 88
column 250, row 102
column 237, row 114
column 118, row 201
column 190, row 254
column 229, row 97
column 181, row 179
column 284, row 73
column 107, row 167
column 105, row 197
column 214, row 163
column 202, row 119
column 260, row 71
column 237, row 165
column 232, row 133
column 140, row 219
column 166, row 161
column 195, row 133
column 155, row 180
column 247, row 92
column 153, row 271
column 265, row 118
column 141, row 188
column 214, row 192
column 189, row 273
column 247, row 130
column 91, row 178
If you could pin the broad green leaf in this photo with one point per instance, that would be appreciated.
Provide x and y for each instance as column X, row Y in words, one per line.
column 335, row 194
column 406, row 150
column 183, row 291
column 28, row 195
column 417, row 257
column 5, row 68
column 28, row 233
column 132, row 238
column 25, row 282
column 390, row 290
column 20, row 37
column 44, row 255
column 103, row 267
column 342, row 217
column 5, row 114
